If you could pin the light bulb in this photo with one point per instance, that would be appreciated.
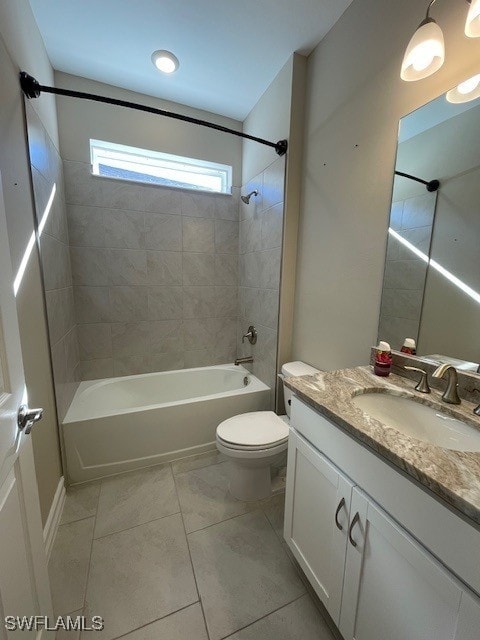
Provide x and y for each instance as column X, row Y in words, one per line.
column 165, row 61
column 165, row 64
column 466, row 91
column 469, row 85
column 472, row 25
column 422, row 56
column 425, row 53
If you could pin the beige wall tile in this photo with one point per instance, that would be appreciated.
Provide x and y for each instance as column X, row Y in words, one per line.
column 198, row 235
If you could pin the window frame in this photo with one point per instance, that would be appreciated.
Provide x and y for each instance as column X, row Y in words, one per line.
column 119, row 154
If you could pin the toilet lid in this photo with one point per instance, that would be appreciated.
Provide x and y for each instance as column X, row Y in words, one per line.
column 256, row 429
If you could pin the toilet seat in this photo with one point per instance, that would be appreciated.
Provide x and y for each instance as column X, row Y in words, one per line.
column 257, row 430
column 237, row 447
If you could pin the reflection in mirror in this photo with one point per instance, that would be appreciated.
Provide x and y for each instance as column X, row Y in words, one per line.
column 431, row 288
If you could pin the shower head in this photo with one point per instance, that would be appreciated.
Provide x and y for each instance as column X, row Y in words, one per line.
column 246, row 199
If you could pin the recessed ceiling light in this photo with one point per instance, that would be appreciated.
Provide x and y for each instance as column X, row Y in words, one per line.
column 165, row 61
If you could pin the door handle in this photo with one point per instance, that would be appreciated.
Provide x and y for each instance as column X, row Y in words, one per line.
column 356, row 518
column 26, row 418
column 341, row 504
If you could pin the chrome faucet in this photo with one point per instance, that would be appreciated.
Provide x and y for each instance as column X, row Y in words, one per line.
column 245, row 360
column 450, row 394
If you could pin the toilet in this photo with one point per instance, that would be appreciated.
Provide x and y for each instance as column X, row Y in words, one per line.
column 256, row 442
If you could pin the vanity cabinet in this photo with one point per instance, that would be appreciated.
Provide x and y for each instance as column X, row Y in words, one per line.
column 375, row 579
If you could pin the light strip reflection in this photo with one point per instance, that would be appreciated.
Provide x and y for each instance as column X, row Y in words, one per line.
column 31, row 243
column 438, row 267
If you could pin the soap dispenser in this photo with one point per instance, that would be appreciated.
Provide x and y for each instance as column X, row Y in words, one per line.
column 409, row 347
column 383, row 359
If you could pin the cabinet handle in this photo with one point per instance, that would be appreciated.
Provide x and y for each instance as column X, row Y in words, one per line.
column 341, row 504
column 356, row 519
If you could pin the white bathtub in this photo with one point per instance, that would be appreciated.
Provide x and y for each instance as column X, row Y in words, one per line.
column 118, row 424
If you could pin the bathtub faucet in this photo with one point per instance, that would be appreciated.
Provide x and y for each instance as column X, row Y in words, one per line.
column 245, row 360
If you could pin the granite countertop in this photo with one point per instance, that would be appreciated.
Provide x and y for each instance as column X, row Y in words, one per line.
column 454, row 476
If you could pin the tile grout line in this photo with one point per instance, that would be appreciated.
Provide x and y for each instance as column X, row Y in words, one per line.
column 260, row 508
column 77, row 520
column 69, row 203
column 238, row 515
column 82, row 609
column 91, row 552
column 135, row 526
column 213, row 464
column 283, row 544
column 143, row 626
column 263, row 617
column 190, row 555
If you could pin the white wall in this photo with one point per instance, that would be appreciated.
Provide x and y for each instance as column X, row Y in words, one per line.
column 24, row 42
column 80, row 120
column 354, row 101
column 270, row 120
column 24, row 50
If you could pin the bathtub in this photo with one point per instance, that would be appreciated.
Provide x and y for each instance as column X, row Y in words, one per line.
column 119, row 424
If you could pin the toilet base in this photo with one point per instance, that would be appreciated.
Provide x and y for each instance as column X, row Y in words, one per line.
column 249, row 485
column 251, row 479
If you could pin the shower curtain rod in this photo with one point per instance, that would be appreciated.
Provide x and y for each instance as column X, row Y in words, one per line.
column 432, row 185
column 32, row 89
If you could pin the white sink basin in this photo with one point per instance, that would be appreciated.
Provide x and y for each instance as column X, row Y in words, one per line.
column 419, row 421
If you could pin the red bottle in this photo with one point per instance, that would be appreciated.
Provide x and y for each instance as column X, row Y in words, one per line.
column 409, row 347
column 383, row 360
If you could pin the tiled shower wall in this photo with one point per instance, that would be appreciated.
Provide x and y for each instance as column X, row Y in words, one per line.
column 155, row 274
column 47, row 176
column 261, row 234
column 405, row 272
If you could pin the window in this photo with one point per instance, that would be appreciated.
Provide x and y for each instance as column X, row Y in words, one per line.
column 112, row 160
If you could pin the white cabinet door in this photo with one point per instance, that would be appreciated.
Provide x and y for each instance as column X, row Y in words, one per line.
column 393, row 588
column 317, row 510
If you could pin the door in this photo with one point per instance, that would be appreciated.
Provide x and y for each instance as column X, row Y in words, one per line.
column 24, row 586
column 317, row 510
column 393, row 588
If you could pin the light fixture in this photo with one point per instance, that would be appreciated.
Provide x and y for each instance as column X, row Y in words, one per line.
column 165, row 61
column 472, row 25
column 425, row 53
column 466, row 91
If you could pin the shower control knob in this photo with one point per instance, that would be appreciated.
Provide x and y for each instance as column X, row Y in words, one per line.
column 251, row 335
column 26, row 418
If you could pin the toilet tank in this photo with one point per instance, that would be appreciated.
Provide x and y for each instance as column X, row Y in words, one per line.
column 290, row 369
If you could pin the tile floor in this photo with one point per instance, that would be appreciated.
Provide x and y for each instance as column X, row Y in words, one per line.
column 166, row 553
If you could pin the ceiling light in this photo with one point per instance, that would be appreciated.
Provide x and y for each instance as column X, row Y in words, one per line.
column 165, row 61
column 472, row 25
column 465, row 91
column 425, row 53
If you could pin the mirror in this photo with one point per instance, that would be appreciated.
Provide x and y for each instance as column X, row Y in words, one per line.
column 431, row 287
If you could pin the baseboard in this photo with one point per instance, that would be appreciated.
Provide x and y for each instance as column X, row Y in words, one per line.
column 54, row 516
